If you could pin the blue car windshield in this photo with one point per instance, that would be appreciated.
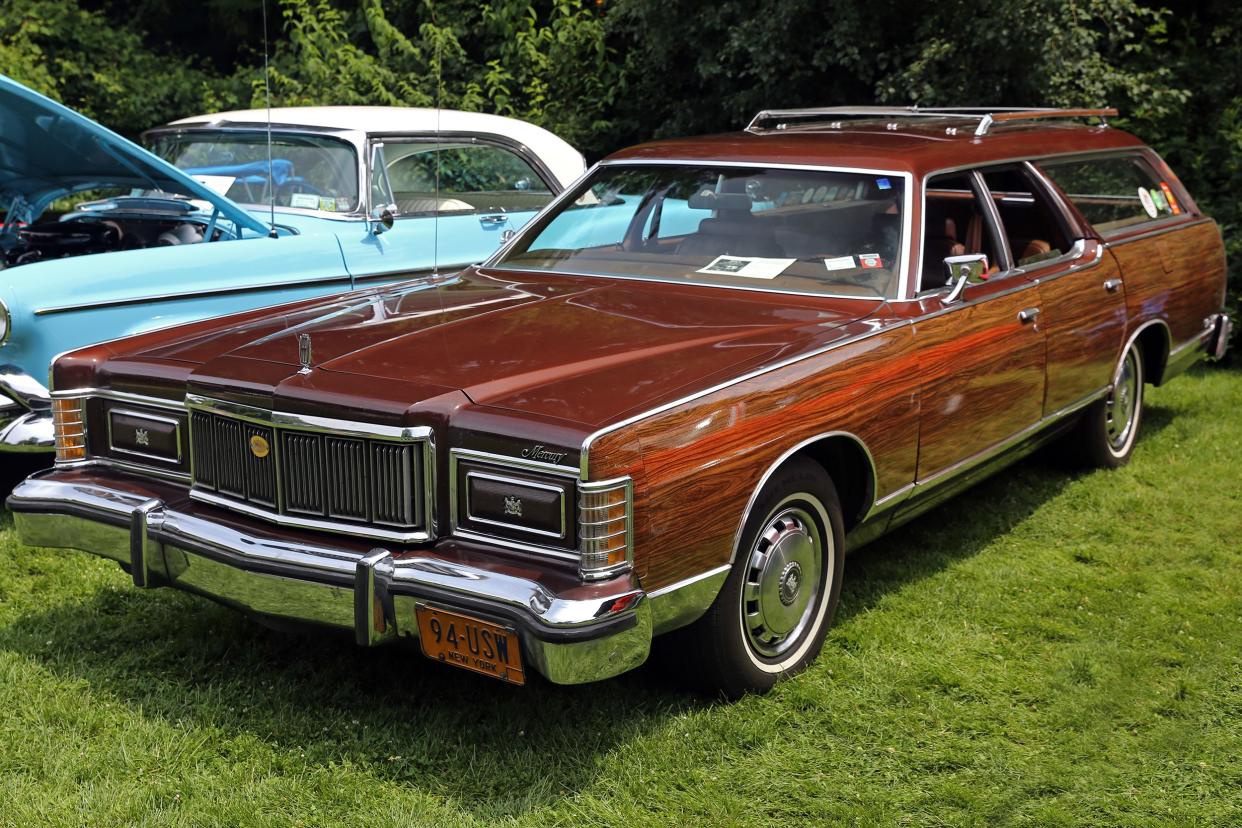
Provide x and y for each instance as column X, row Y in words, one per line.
column 826, row 232
column 311, row 172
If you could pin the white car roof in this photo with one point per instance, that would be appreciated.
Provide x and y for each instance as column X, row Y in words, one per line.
column 565, row 162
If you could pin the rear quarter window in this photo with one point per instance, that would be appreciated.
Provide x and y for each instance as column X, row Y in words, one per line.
column 1115, row 193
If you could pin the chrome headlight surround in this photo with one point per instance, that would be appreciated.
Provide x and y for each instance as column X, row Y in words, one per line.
column 6, row 322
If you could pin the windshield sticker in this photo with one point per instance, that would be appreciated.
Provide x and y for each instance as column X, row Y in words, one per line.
column 869, row 261
column 216, row 183
column 1168, row 196
column 1149, row 204
column 1158, row 197
column 343, row 204
column 840, row 263
column 308, row 201
column 751, row 267
column 884, row 184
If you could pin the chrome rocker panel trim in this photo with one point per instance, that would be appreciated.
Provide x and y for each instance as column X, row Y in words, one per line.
column 568, row 640
column 25, row 412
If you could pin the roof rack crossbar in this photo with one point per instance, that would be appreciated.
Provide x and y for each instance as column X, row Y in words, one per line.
column 984, row 116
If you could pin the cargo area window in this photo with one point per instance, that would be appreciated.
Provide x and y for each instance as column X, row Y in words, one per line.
column 1114, row 193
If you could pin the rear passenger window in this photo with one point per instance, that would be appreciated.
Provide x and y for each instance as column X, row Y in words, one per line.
column 1114, row 193
column 1034, row 229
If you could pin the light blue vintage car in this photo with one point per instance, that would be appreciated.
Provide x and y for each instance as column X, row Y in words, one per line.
column 349, row 196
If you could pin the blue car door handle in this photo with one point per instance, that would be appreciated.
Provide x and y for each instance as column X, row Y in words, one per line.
column 493, row 221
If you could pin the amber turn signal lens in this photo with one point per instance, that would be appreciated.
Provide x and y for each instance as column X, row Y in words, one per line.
column 69, row 429
column 605, row 528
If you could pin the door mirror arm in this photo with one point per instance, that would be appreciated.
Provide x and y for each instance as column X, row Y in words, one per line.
column 962, row 271
column 383, row 222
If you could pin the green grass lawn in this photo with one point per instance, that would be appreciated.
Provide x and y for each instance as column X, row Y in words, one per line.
column 1048, row 649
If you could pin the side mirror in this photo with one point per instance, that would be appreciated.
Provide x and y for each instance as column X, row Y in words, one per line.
column 384, row 221
column 962, row 271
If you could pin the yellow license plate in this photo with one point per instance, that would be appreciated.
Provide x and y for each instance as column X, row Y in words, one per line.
column 470, row 643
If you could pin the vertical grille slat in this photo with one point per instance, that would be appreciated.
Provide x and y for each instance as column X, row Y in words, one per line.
column 394, row 484
column 347, row 478
column 351, row 481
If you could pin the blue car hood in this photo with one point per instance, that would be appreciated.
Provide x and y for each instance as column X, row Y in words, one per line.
column 47, row 151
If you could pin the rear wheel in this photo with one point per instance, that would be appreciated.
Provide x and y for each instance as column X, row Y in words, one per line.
column 771, row 616
column 1109, row 427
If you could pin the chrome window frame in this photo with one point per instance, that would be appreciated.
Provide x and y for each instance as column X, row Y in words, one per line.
column 456, row 455
column 286, row 421
column 535, row 225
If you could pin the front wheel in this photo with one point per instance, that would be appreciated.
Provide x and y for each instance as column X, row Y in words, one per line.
column 771, row 616
column 1109, row 427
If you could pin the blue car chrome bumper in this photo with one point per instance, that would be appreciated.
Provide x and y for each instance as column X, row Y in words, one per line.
column 25, row 412
column 570, row 639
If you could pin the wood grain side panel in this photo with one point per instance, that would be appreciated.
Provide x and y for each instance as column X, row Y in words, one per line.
column 982, row 376
column 1177, row 276
column 703, row 460
column 1085, row 327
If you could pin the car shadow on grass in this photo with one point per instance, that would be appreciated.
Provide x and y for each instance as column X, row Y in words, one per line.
column 493, row 749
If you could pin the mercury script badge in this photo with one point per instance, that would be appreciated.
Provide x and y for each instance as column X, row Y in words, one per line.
column 542, row 454
column 259, row 447
column 304, row 353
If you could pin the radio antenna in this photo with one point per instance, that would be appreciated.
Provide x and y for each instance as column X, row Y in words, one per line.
column 435, row 243
column 267, row 91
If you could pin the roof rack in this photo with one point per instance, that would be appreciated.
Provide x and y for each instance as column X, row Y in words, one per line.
column 985, row 116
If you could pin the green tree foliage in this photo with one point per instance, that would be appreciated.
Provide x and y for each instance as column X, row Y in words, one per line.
column 606, row 73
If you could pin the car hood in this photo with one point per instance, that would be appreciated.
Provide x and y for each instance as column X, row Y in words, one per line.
column 48, row 151
column 582, row 349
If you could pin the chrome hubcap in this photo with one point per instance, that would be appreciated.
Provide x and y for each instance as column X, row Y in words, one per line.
column 1122, row 403
column 781, row 591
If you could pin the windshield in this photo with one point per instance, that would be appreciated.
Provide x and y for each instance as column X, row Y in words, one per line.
column 837, row 233
column 307, row 171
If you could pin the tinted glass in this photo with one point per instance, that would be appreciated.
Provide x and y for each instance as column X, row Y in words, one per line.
column 1114, row 193
column 306, row 171
column 1032, row 226
column 786, row 230
column 954, row 225
column 429, row 178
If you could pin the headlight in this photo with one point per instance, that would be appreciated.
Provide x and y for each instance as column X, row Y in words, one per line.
column 6, row 322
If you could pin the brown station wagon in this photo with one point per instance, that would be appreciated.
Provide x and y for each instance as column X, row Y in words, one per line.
column 670, row 404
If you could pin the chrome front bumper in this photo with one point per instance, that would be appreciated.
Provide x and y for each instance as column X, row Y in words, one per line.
column 570, row 640
column 25, row 412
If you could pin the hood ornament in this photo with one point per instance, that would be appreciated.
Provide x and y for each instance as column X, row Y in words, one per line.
column 304, row 353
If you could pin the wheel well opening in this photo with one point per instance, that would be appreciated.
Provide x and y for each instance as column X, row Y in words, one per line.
column 1153, row 344
column 849, row 466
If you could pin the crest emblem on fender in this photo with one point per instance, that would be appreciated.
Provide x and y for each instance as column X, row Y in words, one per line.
column 513, row 506
column 304, row 353
column 142, row 437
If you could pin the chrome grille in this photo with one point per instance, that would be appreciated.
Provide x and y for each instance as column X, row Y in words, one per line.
column 311, row 476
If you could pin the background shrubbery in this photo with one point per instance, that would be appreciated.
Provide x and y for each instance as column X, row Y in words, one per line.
column 612, row 72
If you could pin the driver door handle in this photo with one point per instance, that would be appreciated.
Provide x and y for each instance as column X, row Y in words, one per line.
column 1111, row 285
column 1028, row 315
column 488, row 221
